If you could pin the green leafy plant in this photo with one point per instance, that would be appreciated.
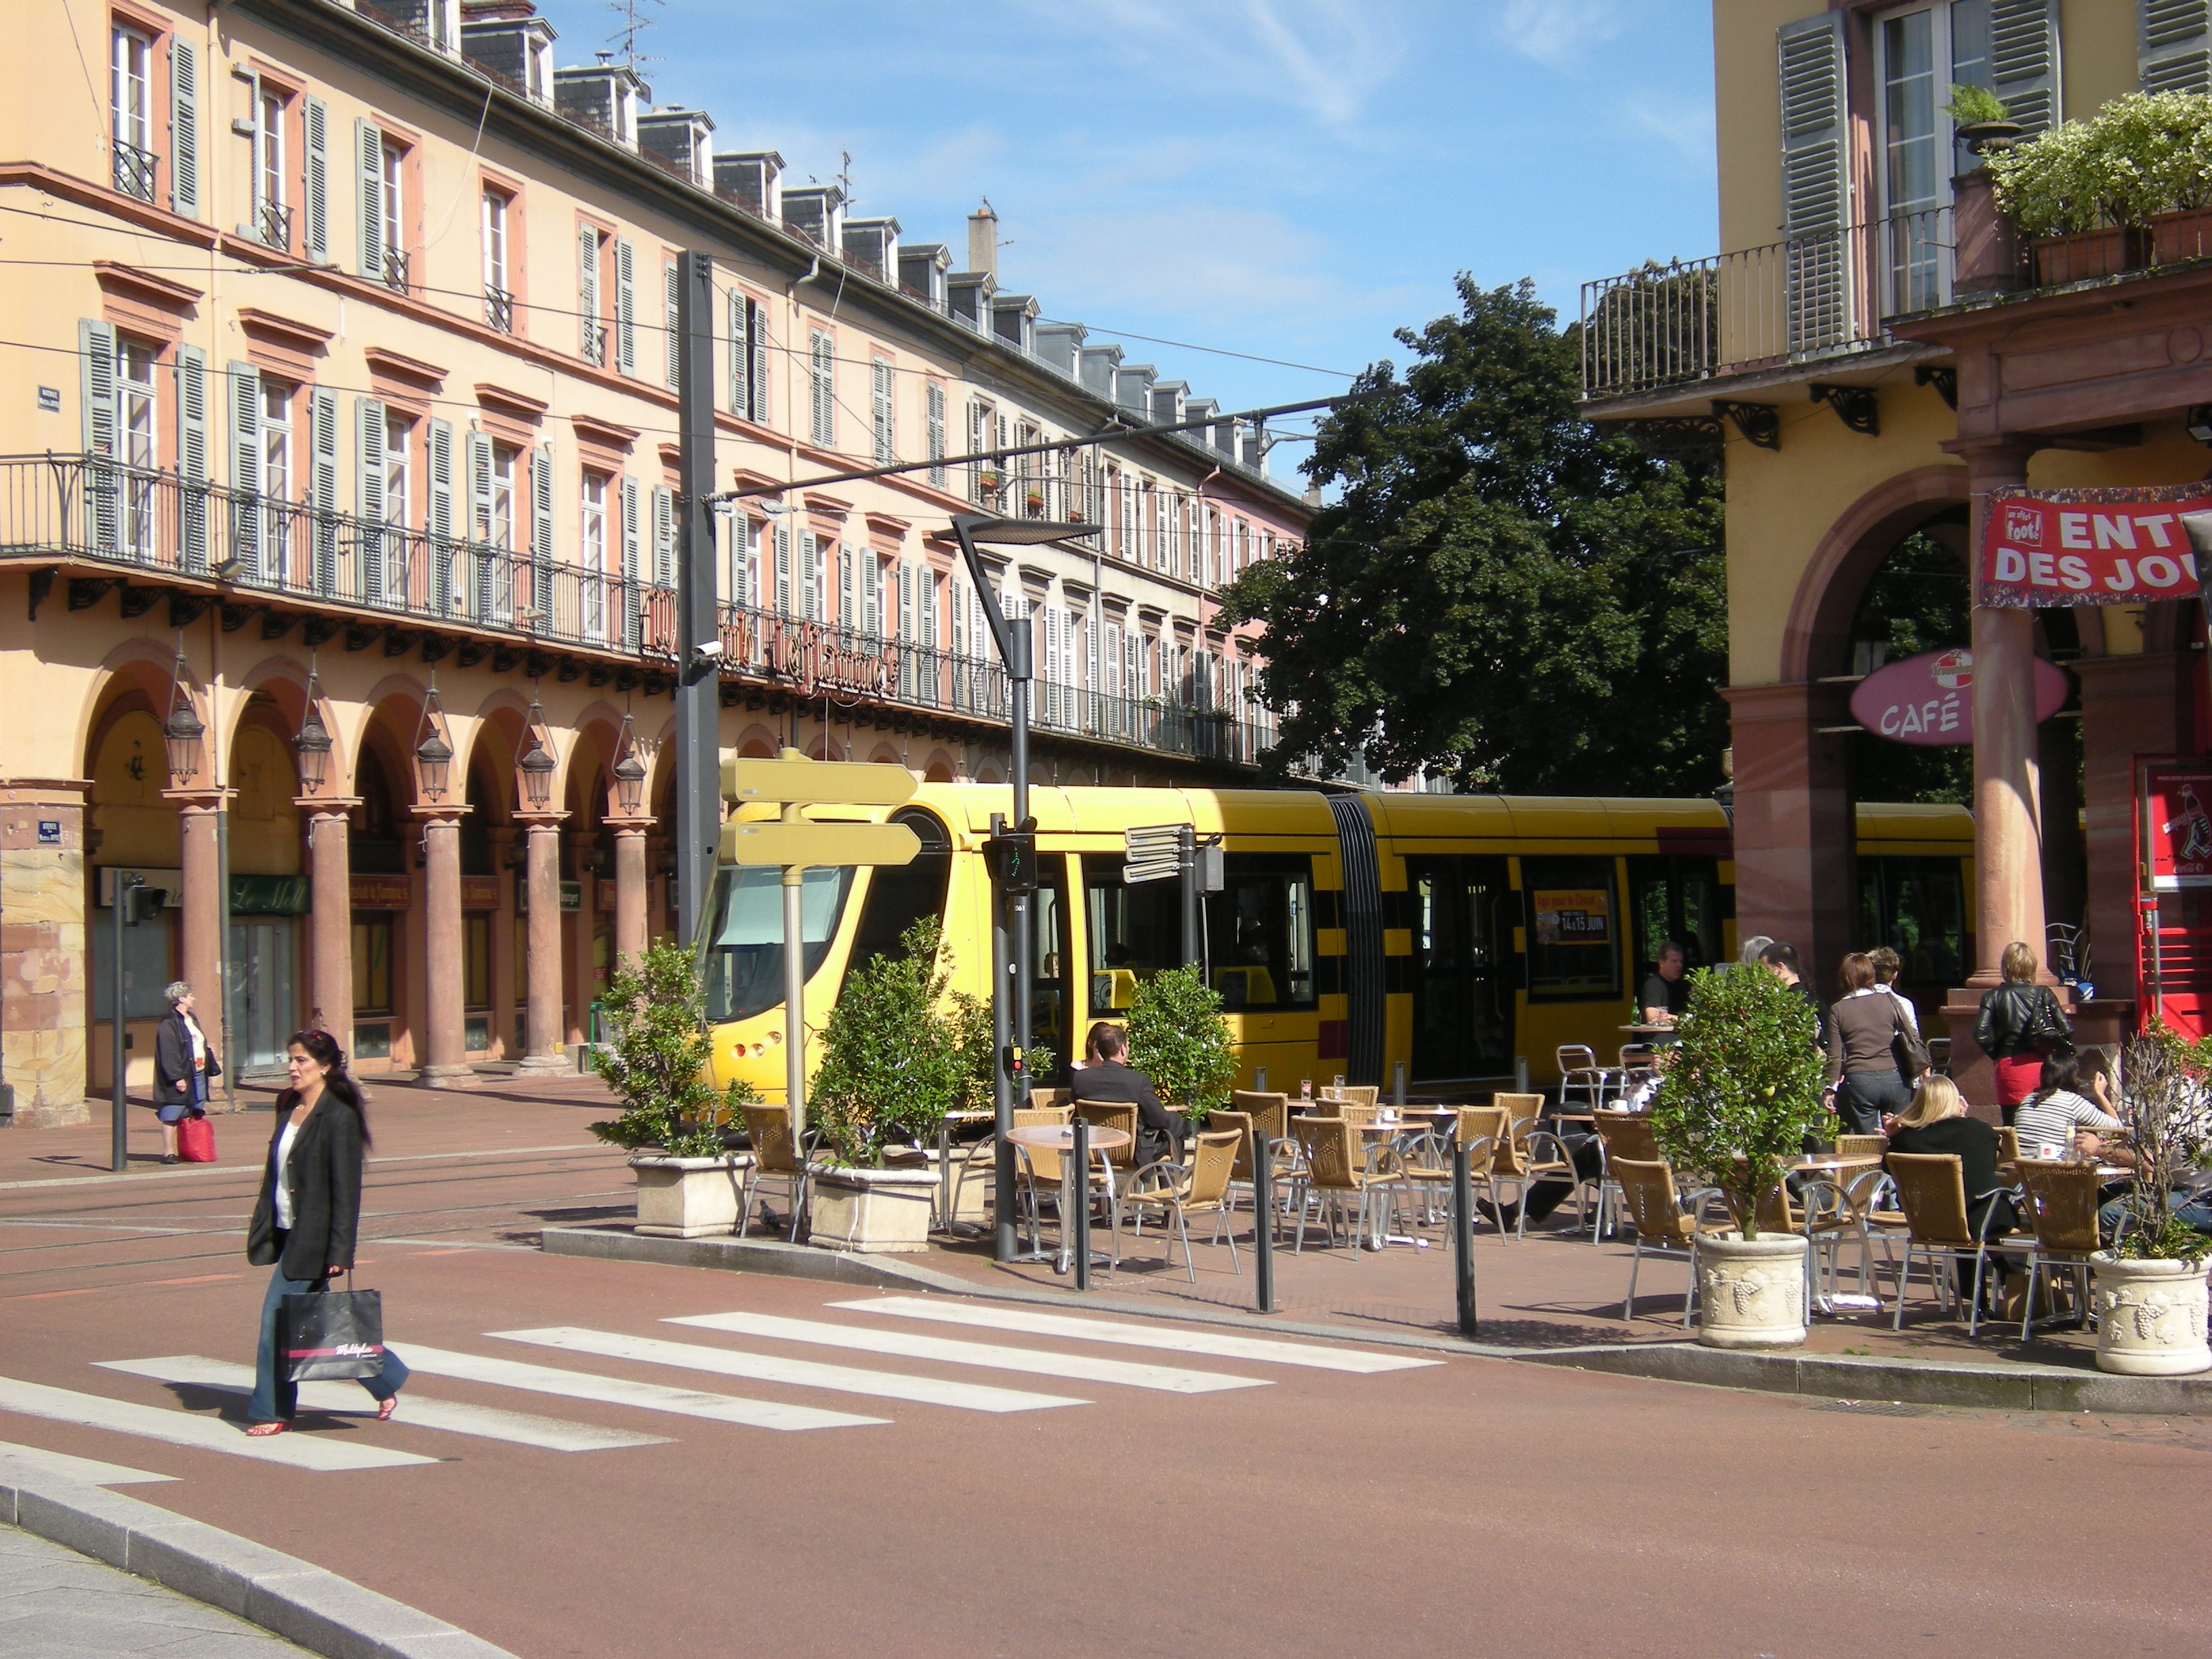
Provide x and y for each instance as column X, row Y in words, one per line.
column 1745, row 1078
column 891, row 1057
column 1178, row 1038
column 657, row 1060
column 1972, row 105
column 969, row 1021
column 2166, row 1100
column 2140, row 156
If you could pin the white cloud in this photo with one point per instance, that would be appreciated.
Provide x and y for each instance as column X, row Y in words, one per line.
column 1559, row 32
column 1685, row 125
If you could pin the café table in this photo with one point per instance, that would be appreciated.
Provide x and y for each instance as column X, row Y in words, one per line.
column 1061, row 1138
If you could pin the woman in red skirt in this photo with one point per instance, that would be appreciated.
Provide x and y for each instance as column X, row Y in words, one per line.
column 2019, row 1020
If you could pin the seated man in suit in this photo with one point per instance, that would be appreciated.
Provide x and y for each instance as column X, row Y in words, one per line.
column 1159, row 1132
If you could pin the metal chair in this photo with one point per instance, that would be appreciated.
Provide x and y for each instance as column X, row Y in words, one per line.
column 980, row 1162
column 1663, row 1225
column 1113, row 1114
column 777, row 1157
column 1931, row 1189
column 1620, row 1135
column 1582, row 1080
column 1179, row 1192
column 2061, row 1206
column 1336, row 1169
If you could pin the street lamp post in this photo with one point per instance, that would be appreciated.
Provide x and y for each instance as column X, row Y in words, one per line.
column 1013, row 957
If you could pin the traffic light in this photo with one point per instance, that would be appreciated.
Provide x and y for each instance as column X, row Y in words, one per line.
column 1014, row 856
column 144, row 904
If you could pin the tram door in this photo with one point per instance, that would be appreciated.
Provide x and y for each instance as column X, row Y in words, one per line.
column 1462, row 926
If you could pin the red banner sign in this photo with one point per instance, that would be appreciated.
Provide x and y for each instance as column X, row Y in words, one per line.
column 2069, row 547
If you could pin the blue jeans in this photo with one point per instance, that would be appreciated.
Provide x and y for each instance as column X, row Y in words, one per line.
column 276, row 1397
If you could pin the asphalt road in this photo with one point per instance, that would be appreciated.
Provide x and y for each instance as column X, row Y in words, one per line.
column 845, row 1482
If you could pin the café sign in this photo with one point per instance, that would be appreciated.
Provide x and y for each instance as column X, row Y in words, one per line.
column 1929, row 700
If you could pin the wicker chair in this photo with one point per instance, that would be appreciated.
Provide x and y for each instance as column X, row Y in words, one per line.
column 1525, row 1155
column 1113, row 1114
column 1663, row 1226
column 1039, row 1172
column 2061, row 1206
column 1175, row 1192
column 1620, row 1135
column 776, row 1158
column 980, row 1160
column 1336, row 1169
column 1931, row 1189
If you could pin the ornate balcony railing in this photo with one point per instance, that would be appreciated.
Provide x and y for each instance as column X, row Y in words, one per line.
column 1800, row 300
column 272, row 225
column 395, row 263
column 135, row 170
column 499, row 309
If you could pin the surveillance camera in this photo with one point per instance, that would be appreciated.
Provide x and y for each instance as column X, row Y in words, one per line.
column 710, row 650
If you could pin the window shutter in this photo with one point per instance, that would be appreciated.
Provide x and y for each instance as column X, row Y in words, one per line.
column 589, row 340
column 369, row 496
column 632, row 532
column 757, row 333
column 2176, row 52
column 936, row 403
column 672, row 284
column 315, row 180
column 1094, row 641
column 871, row 597
column 323, row 482
column 885, row 396
column 96, row 398
column 2024, row 59
column 183, row 129
column 192, row 456
column 925, row 579
column 847, row 614
column 625, row 306
column 439, row 518
column 246, row 466
column 782, row 571
column 906, row 602
column 1815, row 186
column 823, row 373
column 479, row 528
column 541, row 532
column 1133, row 666
column 664, row 536
column 740, row 360
column 368, row 154
column 810, row 598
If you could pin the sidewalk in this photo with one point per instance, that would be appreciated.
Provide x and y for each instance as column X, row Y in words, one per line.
column 56, row 1604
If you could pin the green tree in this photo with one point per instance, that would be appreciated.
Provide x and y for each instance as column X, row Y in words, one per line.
column 891, row 1065
column 1178, row 1038
column 657, row 1059
column 1502, row 593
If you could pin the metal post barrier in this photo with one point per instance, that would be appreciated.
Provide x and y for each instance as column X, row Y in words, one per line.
column 1521, row 1073
column 1080, row 1202
column 1263, row 1219
column 1462, row 1219
column 1397, row 1082
column 1259, row 1079
column 119, row 1129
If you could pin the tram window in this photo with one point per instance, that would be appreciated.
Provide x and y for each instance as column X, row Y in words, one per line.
column 1916, row 907
column 1259, row 931
column 1048, row 954
column 1574, row 953
column 745, row 945
column 900, row 894
column 1135, row 931
column 1675, row 898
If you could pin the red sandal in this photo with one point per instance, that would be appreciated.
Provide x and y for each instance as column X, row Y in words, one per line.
column 385, row 1408
column 261, row 1431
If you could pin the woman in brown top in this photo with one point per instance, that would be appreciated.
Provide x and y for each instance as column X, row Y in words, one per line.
column 1863, row 1080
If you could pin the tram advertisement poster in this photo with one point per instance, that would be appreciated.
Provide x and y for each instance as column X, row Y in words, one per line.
column 2070, row 547
column 1574, row 916
column 2177, row 824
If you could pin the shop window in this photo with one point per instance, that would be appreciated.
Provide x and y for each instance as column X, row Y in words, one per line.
column 371, row 988
column 1574, row 948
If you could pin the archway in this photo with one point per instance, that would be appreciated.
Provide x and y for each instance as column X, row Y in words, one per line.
column 269, row 895
column 129, row 826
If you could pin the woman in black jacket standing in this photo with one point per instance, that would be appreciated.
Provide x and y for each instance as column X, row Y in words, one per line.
column 2020, row 1023
column 184, row 1064
column 308, row 1216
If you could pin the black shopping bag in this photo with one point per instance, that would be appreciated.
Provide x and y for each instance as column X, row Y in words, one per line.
column 332, row 1333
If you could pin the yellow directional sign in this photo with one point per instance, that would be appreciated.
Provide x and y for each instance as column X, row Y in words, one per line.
column 791, row 780
column 820, row 844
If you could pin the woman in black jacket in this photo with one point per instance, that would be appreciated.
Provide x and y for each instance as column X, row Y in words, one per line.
column 2019, row 1022
column 184, row 1065
column 308, row 1216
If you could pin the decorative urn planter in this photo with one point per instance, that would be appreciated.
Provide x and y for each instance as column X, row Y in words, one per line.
column 2150, row 1317
column 1983, row 136
column 872, row 1212
column 1751, row 1292
column 688, row 1197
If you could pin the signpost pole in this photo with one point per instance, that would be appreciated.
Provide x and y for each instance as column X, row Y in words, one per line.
column 698, row 671
column 1008, row 1242
column 794, row 996
column 118, row 1128
column 1187, row 838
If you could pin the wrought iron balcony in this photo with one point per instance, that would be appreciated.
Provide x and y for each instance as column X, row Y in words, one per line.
column 272, row 225
column 395, row 267
column 135, row 170
column 499, row 309
column 1807, row 300
column 592, row 343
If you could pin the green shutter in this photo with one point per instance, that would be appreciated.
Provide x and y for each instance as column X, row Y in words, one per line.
column 438, row 518
column 2024, row 60
column 541, row 533
column 625, row 306
column 96, row 396
column 323, row 485
column 368, row 497
column 368, row 155
column 2175, row 51
column 183, row 128
column 246, row 518
column 315, row 180
column 191, row 458
column 1815, row 186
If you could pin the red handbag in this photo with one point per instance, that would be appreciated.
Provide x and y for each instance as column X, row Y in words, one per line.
column 196, row 1140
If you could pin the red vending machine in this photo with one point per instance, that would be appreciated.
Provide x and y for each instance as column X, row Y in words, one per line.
column 2174, row 892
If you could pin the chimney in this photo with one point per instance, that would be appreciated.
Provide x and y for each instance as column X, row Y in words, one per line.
column 677, row 138
column 921, row 271
column 1167, row 400
column 748, row 179
column 1014, row 319
column 969, row 294
column 1060, row 344
column 984, row 241
column 872, row 246
column 815, row 213
column 1132, row 388
column 1099, row 365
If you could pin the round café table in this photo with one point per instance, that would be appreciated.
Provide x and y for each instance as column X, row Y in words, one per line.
column 1061, row 1138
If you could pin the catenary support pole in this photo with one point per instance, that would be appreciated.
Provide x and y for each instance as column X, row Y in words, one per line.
column 1008, row 1243
column 119, row 1129
column 698, row 683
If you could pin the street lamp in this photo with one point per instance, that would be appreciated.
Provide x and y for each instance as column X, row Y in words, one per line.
column 629, row 772
column 1010, row 945
column 313, row 742
column 535, row 762
column 434, row 755
column 185, row 732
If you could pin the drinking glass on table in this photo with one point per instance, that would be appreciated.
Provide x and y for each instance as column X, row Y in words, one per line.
column 1306, row 1088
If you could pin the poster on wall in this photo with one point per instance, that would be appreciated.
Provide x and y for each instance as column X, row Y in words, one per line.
column 2070, row 547
column 2177, row 824
column 1577, row 916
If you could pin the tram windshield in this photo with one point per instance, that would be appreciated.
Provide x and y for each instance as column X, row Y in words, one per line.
column 744, row 941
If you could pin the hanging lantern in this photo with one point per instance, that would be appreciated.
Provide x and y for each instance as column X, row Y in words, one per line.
column 434, row 755
column 185, row 733
column 630, row 771
column 313, row 742
column 536, row 762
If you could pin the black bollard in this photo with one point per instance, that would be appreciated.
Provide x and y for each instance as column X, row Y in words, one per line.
column 1263, row 1219
column 1462, row 1219
column 1080, row 1222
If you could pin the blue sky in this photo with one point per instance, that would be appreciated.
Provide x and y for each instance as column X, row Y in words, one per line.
column 1288, row 178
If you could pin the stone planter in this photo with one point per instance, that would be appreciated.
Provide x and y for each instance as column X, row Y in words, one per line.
column 1988, row 259
column 1751, row 1292
column 688, row 1197
column 871, row 1211
column 2150, row 1317
column 2061, row 259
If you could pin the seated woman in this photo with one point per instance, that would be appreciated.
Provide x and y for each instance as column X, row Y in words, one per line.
column 2059, row 1119
column 1936, row 1122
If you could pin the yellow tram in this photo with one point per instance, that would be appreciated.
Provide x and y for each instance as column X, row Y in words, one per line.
column 1463, row 935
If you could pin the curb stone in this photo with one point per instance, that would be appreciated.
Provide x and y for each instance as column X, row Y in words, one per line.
column 1973, row 1383
column 283, row 1594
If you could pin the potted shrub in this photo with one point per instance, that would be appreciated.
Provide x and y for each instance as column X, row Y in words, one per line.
column 1980, row 120
column 655, row 1056
column 1986, row 249
column 1735, row 1105
column 1178, row 1038
column 2150, row 1288
column 890, row 1069
column 2117, row 192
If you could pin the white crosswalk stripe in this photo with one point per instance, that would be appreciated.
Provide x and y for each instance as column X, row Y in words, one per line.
column 455, row 1417
column 1176, row 1339
column 909, row 1344
column 620, row 1391
column 800, row 1373
column 90, row 1471
column 298, row 1451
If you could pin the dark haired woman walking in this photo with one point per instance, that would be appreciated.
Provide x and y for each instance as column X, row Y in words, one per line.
column 308, row 1215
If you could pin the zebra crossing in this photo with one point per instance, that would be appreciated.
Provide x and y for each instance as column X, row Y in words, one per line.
column 1008, row 1341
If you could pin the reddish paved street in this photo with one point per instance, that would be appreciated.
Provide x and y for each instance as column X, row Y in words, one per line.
column 1186, row 1507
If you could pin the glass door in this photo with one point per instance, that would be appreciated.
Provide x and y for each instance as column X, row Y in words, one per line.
column 264, row 992
column 1922, row 53
column 1462, row 953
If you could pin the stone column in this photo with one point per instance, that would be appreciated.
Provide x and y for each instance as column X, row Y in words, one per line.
column 2007, row 834
column 200, row 811
column 1794, row 830
column 632, row 890
column 444, row 1064
column 43, row 955
column 502, row 965
column 542, row 962
column 329, row 920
